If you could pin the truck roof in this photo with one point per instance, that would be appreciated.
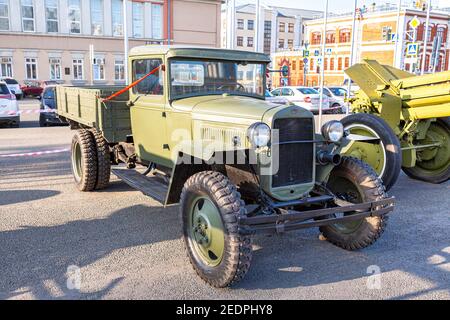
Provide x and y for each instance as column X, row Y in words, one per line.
column 199, row 52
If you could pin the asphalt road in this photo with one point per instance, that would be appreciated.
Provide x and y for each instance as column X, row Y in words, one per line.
column 127, row 246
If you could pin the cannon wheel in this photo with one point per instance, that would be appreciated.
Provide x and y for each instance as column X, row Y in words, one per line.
column 384, row 157
column 434, row 163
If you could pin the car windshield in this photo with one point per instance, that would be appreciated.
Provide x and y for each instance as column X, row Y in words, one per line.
column 268, row 94
column 339, row 92
column 206, row 77
column 10, row 81
column 308, row 91
column 49, row 94
column 4, row 89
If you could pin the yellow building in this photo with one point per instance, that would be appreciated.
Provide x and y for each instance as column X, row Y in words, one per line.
column 376, row 31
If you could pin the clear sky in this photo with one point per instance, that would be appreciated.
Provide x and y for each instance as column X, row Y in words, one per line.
column 335, row 5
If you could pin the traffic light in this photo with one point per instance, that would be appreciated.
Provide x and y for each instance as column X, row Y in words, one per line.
column 285, row 71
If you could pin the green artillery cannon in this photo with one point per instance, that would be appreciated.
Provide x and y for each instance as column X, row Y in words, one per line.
column 409, row 118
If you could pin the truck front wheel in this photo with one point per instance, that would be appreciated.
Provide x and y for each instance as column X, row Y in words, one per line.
column 210, row 207
column 356, row 182
column 84, row 160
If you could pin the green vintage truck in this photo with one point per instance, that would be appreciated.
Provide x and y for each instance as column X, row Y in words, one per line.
column 195, row 130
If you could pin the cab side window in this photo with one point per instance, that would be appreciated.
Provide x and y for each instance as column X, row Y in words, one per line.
column 154, row 83
column 286, row 92
column 276, row 92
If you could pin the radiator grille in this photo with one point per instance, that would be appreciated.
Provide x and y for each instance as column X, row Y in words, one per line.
column 295, row 158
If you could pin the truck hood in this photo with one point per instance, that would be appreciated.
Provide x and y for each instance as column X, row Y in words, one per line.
column 222, row 107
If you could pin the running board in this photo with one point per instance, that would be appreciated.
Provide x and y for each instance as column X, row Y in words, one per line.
column 151, row 185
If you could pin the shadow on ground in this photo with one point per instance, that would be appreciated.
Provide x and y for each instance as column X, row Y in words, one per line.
column 8, row 197
column 33, row 256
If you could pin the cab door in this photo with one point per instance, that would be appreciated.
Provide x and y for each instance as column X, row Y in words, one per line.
column 148, row 116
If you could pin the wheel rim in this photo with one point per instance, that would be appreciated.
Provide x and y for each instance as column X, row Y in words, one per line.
column 77, row 164
column 434, row 161
column 346, row 190
column 207, row 231
column 372, row 154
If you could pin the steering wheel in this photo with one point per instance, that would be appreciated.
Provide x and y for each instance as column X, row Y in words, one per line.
column 233, row 87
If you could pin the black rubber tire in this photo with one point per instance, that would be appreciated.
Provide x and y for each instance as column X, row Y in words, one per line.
column 370, row 189
column 42, row 122
column 389, row 140
column 238, row 249
column 88, row 178
column 103, row 160
column 336, row 111
column 415, row 173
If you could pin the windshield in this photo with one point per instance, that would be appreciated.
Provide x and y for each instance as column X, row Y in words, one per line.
column 339, row 92
column 268, row 94
column 10, row 81
column 308, row 91
column 206, row 77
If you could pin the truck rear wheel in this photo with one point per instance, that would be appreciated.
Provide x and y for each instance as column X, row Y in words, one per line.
column 356, row 182
column 210, row 207
column 434, row 163
column 384, row 157
column 103, row 160
column 84, row 160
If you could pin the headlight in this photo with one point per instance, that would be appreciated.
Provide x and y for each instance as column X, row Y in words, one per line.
column 259, row 134
column 333, row 131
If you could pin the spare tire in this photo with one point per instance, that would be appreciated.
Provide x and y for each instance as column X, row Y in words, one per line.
column 384, row 157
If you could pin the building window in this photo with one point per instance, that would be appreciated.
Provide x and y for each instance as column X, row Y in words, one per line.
column 98, row 68
column 250, row 25
column 240, row 41
column 4, row 15
column 325, row 64
column 138, row 19
column 117, row 17
column 249, row 41
column 282, row 27
column 51, row 15
column 97, row 17
column 347, row 62
column 281, row 44
column 157, row 21
column 332, row 64
column 339, row 64
column 77, row 69
column 267, row 36
column 28, row 15
column 240, row 24
column 55, row 69
column 31, row 68
column 387, row 33
column 294, row 65
column 331, row 37
column 291, row 28
column 74, row 16
column 6, row 69
column 290, row 43
column 316, row 38
column 119, row 70
column 344, row 35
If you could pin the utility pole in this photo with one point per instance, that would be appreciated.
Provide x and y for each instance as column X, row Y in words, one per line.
column 352, row 53
column 425, row 41
column 322, row 69
column 91, row 63
column 397, row 32
column 125, row 40
column 257, row 26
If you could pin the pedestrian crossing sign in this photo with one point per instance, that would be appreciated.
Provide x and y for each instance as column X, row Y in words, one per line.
column 412, row 49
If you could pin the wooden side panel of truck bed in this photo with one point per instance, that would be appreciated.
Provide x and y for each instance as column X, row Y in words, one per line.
column 83, row 106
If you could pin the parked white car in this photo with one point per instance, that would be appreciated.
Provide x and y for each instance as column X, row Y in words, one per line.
column 353, row 86
column 13, row 86
column 304, row 97
column 336, row 96
column 8, row 107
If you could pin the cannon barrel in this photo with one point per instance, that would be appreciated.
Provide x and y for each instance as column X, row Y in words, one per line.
column 394, row 90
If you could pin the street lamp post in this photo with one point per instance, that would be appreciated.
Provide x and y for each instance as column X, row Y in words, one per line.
column 425, row 41
column 352, row 53
column 125, row 40
column 322, row 69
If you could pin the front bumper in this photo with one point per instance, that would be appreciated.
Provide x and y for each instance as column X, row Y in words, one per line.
column 294, row 220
